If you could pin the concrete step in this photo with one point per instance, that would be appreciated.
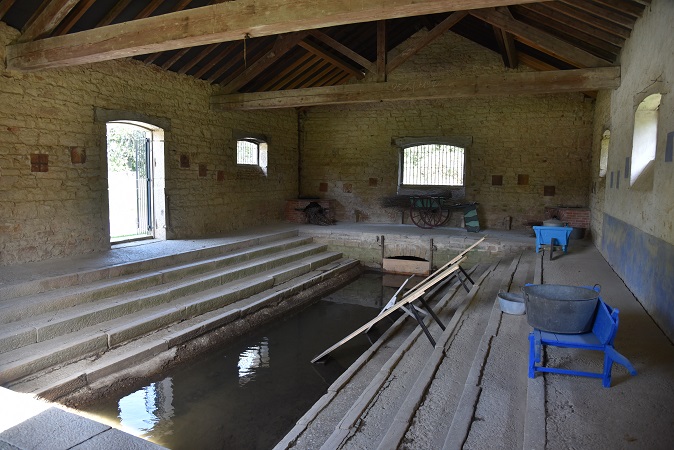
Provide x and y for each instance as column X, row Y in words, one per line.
column 106, row 334
column 69, row 296
column 41, row 327
column 85, row 275
column 179, row 338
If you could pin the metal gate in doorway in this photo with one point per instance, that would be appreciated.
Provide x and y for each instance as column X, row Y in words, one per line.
column 129, row 182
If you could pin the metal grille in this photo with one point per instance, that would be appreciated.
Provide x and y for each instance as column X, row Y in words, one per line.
column 247, row 152
column 433, row 165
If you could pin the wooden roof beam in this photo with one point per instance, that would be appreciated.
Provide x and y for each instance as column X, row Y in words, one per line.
column 381, row 51
column 113, row 13
column 344, row 50
column 602, row 12
column 316, row 50
column 413, row 45
column 506, row 43
column 197, row 59
column 541, row 40
column 517, row 83
column 48, row 19
column 283, row 45
column 589, row 19
column 4, row 7
column 72, row 18
column 220, row 22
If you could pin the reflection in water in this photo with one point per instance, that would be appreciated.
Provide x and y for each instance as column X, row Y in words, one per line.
column 234, row 397
column 251, row 359
column 148, row 411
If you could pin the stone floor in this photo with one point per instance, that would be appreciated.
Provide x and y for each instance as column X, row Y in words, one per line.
column 561, row 411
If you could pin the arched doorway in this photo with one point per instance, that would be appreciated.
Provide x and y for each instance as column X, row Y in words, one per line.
column 135, row 181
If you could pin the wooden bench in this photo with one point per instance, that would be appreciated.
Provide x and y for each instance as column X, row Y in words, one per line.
column 600, row 338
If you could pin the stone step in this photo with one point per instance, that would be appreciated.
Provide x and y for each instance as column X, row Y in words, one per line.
column 23, row 361
column 365, row 377
column 186, row 336
column 41, row 327
column 27, row 306
column 89, row 275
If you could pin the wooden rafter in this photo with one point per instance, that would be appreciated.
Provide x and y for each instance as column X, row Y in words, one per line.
column 381, row 50
column 149, row 9
column 523, row 83
column 220, row 22
column 4, row 7
column 541, row 40
column 608, row 14
column 544, row 14
column 113, row 13
column 506, row 43
column 76, row 14
column 283, row 45
column 48, row 19
column 174, row 59
column 214, row 61
column 625, row 6
column 197, row 59
column 597, row 22
column 250, row 48
column 344, row 50
column 412, row 46
column 273, row 84
column 316, row 50
column 314, row 65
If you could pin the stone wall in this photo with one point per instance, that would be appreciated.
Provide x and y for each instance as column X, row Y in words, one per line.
column 637, row 225
column 347, row 152
column 63, row 211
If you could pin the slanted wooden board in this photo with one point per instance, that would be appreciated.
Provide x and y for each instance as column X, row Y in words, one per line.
column 419, row 290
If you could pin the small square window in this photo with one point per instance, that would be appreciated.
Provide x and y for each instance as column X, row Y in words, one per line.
column 252, row 152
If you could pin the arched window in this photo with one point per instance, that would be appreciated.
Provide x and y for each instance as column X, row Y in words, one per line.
column 645, row 135
column 603, row 156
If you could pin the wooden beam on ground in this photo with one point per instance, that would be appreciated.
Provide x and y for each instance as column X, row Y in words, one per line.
column 53, row 13
column 344, row 50
column 4, row 7
column 313, row 48
column 222, row 22
column 283, row 45
column 541, row 40
column 381, row 51
column 411, row 46
column 525, row 83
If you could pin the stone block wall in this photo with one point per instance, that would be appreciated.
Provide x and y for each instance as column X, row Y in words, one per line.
column 60, row 208
column 528, row 142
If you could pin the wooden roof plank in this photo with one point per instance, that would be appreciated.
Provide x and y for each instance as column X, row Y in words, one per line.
column 198, row 58
column 4, row 7
column 625, row 6
column 252, row 47
column 313, row 48
column 513, row 83
column 220, row 22
column 541, row 40
column 283, row 45
column 319, row 64
column 174, row 59
column 48, row 19
column 113, row 13
column 149, row 9
column 506, row 43
column 285, row 72
column 381, row 50
column 597, row 22
column 412, row 46
column 344, row 50
column 216, row 59
column 602, row 12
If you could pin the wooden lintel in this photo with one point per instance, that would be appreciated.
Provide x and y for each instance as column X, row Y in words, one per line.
column 219, row 22
column 524, row 83
column 344, row 50
column 412, row 45
column 53, row 13
column 541, row 40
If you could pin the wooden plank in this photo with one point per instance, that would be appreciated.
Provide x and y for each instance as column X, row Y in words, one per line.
column 174, row 59
column 283, row 45
column 53, row 13
column 197, row 59
column 212, row 62
column 113, row 13
column 381, row 51
column 233, row 61
column 314, row 66
column 278, row 79
column 541, row 40
column 506, row 43
column 4, row 7
column 596, row 22
column 603, row 12
column 407, row 299
column 220, row 22
column 313, row 48
column 525, row 83
column 149, row 9
column 412, row 45
column 344, row 50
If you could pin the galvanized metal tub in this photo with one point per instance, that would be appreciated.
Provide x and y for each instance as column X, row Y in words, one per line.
column 511, row 303
column 559, row 308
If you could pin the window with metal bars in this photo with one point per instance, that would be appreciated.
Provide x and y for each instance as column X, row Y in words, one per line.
column 247, row 152
column 433, row 165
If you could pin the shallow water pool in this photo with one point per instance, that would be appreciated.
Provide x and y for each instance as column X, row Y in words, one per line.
column 249, row 393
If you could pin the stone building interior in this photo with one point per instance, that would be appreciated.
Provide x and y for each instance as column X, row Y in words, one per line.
column 161, row 163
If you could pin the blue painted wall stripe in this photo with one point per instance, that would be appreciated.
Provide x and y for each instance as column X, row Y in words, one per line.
column 669, row 150
column 646, row 265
